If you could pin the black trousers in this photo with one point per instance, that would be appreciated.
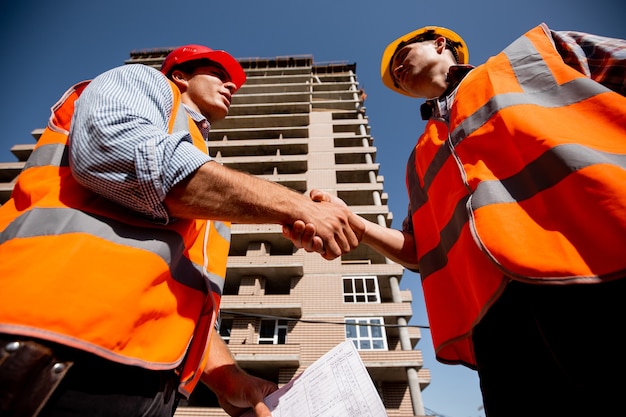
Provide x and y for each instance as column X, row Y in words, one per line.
column 554, row 350
column 90, row 386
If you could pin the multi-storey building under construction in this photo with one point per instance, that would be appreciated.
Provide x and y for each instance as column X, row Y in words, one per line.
column 304, row 125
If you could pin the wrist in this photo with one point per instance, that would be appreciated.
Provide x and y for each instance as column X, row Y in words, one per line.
column 220, row 378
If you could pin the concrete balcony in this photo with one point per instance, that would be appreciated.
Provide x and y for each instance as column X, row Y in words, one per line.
column 360, row 194
column 274, row 266
column 269, row 109
column 266, row 165
column 351, row 139
column 267, row 88
column 266, row 261
column 415, row 335
column 391, row 366
column 333, row 104
column 406, row 296
column 272, row 305
column 252, row 356
column 263, row 159
column 372, row 212
column 336, row 95
column 289, row 131
column 244, row 98
column 358, row 188
column 367, row 268
column 10, row 170
column 255, row 147
column 6, row 188
column 22, row 152
column 354, row 154
column 301, row 76
column 337, row 85
column 243, row 234
column 353, row 126
column 8, row 174
column 264, row 121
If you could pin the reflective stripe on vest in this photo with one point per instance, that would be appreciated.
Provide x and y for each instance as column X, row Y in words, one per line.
column 55, row 154
column 106, row 281
column 529, row 183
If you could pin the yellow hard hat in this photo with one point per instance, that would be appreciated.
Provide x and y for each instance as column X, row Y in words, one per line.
column 455, row 42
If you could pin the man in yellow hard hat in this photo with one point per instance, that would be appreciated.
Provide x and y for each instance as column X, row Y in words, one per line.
column 517, row 214
column 405, row 79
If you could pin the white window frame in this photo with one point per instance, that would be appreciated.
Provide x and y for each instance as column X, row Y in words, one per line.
column 281, row 330
column 367, row 333
column 365, row 296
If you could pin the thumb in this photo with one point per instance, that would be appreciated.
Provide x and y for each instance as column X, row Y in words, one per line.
column 322, row 196
column 317, row 195
column 261, row 410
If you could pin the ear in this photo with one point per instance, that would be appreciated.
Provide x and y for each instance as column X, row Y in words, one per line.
column 440, row 44
column 180, row 78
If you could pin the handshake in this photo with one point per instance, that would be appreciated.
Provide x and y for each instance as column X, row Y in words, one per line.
column 332, row 230
column 337, row 232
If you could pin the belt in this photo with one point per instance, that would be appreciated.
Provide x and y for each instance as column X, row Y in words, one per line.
column 29, row 374
column 32, row 369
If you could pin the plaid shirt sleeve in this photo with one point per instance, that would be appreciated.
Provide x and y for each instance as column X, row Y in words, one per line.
column 601, row 58
column 120, row 147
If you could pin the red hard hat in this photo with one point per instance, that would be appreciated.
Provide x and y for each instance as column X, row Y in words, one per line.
column 193, row 52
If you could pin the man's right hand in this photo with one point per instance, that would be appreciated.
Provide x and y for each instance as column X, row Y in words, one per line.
column 304, row 235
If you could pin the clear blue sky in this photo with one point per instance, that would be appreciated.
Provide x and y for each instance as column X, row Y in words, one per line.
column 49, row 45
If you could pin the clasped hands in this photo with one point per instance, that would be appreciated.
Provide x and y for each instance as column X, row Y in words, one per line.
column 344, row 238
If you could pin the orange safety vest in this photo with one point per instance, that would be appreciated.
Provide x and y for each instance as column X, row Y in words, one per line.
column 527, row 183
column 80, row 270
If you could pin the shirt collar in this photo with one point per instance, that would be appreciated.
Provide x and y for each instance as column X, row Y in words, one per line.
column 439, row 107
column 201, row 121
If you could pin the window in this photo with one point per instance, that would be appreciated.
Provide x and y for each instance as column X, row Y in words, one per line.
column 366, row 333
column 273, row 332
column 360, row 290
column 225, row 326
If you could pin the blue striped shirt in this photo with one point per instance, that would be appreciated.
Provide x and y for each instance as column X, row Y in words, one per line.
column 120, row 147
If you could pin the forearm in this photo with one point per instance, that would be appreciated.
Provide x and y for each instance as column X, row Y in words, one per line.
column 220, row 359
column 219, row 193
column 396, row 245
column 221, row 373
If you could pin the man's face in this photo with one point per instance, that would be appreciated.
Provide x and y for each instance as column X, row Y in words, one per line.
column 420, row 68
column 209, row 91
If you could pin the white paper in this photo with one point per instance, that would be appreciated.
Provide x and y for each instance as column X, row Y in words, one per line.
column 336, row 385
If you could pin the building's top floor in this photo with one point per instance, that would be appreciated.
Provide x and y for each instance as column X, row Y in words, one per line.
column 155, row 56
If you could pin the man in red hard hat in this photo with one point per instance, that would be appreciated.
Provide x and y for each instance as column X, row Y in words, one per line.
column 189, row 53
column 517, row 214
column 115, row 241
